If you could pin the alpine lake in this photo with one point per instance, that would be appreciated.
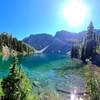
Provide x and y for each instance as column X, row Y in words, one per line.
column 48, row 71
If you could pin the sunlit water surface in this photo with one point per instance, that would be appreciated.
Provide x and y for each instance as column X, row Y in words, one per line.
column 42, row 68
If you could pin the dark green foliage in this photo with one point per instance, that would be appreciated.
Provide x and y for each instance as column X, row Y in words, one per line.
column 14, row 44
column 19, row 46
column 16, row 86
column 90, row 44
column 94, row 87
column 90, row 32
column 75, row 52
column 83, row 55
column 10, row 84
column 90, row 49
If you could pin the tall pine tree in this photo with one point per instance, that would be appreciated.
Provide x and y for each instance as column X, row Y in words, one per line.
column 16, row 86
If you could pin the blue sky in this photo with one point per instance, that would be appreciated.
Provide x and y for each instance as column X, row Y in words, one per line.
column 24, row 17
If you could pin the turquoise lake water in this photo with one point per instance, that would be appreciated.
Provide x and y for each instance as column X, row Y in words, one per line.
column 42, row 67
column 35, row 64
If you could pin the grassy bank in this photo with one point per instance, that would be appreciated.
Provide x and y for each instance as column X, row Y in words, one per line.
column 91, row 75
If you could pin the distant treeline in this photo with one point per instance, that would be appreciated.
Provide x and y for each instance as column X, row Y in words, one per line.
column 13, row 44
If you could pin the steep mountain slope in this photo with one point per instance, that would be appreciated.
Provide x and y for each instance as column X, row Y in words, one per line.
column 39, row 41
column 60, row 43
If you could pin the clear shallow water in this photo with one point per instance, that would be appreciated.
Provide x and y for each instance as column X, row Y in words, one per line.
column 41, row 68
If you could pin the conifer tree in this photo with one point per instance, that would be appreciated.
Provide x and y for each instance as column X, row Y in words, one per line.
column 10, row 84
column 89, row 47
column 14, row 44
column 83, row 54
column 90, row 32
column 16, row 86
column 75, row 52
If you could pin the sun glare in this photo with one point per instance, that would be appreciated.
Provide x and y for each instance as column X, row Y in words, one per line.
column 74, row 12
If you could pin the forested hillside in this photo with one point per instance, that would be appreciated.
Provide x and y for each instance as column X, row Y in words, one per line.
column 6, row 40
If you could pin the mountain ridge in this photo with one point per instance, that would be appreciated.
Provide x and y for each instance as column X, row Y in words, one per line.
column 57, row 43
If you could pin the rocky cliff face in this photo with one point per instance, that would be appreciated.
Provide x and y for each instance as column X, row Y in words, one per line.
column 39, row 41
column 62, row 42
